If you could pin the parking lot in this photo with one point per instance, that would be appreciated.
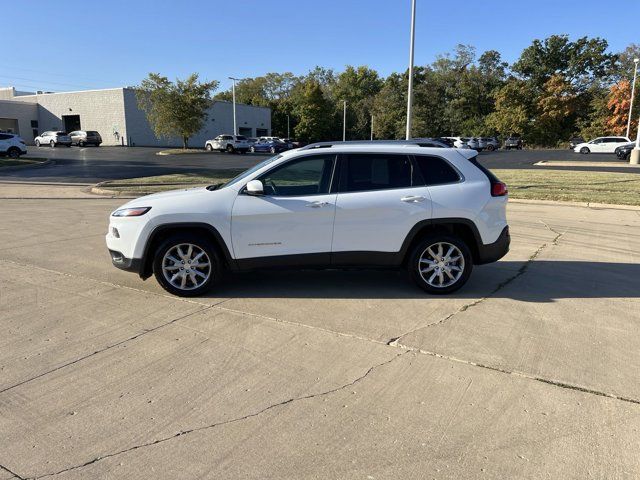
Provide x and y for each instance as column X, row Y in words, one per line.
column 91, row 164
column 529, row 371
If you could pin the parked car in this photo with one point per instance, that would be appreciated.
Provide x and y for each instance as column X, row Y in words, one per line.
column 491, row 143
column 513, row 142
column 53, row 139
column 601, row 145
column 269, row 146
column 447, row 141
column 624, row 151
column 12, row 145
column 575, row 141
column 88, row 137
column 228, row 143
column 431, row 142
column 474, row 144
column 458, row 142
column 435, row 211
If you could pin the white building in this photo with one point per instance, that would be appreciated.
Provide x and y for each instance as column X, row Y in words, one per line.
column 114, row 113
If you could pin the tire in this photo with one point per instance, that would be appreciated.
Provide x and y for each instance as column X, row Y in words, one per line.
column 230, row 148
column 252, row 150
column 520, row 147
column 507, row 148
column 421, row 256
column 37, row 143
column 14, row 153
column 272, row 150
column 163, row 266
column 208, row 147
column 490, row 148
column 52, row 144
column 81, row 144
column 585, row 150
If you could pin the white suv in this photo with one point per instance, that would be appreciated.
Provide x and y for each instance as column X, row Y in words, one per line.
column 228, row 143
column 12, row 145
column 53, row 139
column 434, row 211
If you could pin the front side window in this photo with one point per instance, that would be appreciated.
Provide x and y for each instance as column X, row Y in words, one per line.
column 436, row 171
column 307, row 176
column 376, row 171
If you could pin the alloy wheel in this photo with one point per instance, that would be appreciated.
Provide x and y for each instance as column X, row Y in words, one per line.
column 441, row 264
column 186, row 266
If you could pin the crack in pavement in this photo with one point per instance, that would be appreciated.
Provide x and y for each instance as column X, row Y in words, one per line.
column 394, row 342
column 15, row 475
column 104, row 349
column 222, row 423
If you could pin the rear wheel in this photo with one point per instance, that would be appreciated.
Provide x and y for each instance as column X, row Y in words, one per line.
column 252, row 149
column 81, row 144
column 229, row 148
column 13, row 153
column 585, row 150
column 272, row 150
column 52, row 144
column 208, row 147
column 187, row 265
column 440, row 263
column 490, row 148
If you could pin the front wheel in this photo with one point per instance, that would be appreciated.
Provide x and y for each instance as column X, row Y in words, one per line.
column 272, row 150
column 187, row 265
column 208, row 147
column 229, row 148
column 52, row 144
column 440, row 263
column 490, row 148
column 81, row 144
column 14, row 153
column 37, row 143
column 252, row 149
column 585, row 150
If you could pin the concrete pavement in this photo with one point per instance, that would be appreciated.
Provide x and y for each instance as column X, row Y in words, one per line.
column 529, row 372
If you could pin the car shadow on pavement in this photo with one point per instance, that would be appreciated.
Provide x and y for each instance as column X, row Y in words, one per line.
column 539, row 281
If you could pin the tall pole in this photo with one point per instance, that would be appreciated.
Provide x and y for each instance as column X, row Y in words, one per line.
column 233, row 90
column 634, row 157
column 371, row 127
column 344, row 122
column 411, row 45
column 288, row 129
column 633, row 91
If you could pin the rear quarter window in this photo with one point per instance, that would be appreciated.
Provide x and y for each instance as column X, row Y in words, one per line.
column 436, row 170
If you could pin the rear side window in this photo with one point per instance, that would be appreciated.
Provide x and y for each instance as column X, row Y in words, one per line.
column 436, row 171
column 5, row 137
column 492, row 178
column 371, row 171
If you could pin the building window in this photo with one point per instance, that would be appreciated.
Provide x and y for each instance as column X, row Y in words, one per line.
column 34, row 123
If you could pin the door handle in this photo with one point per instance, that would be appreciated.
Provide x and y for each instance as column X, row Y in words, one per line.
column 317, row 204
column 412, row 199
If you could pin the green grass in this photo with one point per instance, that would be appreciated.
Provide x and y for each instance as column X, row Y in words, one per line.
column 562, row 185
column 571, row 186
column 10, row 162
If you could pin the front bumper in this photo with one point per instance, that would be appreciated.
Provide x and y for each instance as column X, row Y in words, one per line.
column 124, row 263
column 496, row 250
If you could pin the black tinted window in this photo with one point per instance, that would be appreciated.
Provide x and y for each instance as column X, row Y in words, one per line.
column 436, row 171
column 5, row 137
column 376, row 172
column 308, row 176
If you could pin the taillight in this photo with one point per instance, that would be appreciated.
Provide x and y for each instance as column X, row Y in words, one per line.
column 498, row 189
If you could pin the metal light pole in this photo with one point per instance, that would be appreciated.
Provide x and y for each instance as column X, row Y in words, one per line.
column 411, row 45
column 233, row 89
column 633, row 91
column 288, row 129
column 371, row 127
column 634, row 158
column 344, row 122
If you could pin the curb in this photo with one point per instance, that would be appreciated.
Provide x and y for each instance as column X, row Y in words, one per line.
column 599, row 206
column 14, row 168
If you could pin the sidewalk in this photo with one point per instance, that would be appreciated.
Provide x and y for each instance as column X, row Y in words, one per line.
column 18, row 190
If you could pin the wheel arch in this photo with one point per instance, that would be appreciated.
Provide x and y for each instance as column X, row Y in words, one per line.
column 162, row 232
column 461, row 227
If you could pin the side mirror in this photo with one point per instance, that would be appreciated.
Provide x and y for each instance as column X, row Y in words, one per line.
column 255, row 187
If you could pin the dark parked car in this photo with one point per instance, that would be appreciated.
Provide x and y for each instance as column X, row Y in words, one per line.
column 269, row 146
column 575, row 141
column 82, row 138
column 513, row 142
column 623, row 151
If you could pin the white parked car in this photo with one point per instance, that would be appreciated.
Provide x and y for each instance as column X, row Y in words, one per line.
column 53, row 139
column 601, row 145
column 228, row 143
column 459, row 142
column 473, row 144
column 11, row 145
column 434, row 211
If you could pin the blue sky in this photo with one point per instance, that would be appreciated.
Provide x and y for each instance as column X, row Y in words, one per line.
column 118, row 42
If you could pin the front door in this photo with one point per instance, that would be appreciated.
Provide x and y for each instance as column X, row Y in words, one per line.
column 294, row 217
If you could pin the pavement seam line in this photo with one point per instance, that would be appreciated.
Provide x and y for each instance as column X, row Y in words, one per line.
column 101, row 350
column 225, row 422
column 521, row 271
column 15, row 475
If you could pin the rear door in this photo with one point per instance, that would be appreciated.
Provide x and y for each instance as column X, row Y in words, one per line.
column 4, row 142
column 380, row 199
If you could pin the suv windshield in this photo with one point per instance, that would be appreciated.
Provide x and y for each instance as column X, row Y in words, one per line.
column 246, row 173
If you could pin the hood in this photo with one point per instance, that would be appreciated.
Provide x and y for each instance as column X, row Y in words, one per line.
column 164, row 197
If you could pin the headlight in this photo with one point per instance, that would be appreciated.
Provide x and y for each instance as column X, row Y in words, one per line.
column 131, row 212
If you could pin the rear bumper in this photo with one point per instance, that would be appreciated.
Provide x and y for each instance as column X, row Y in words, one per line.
column 496, row 250
column 124, row 263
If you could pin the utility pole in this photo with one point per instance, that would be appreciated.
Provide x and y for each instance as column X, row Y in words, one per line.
column 371, row 127
column 411, row 49
column 288, row 129
column 633, row 91
column 344, row 122
column 233, row 89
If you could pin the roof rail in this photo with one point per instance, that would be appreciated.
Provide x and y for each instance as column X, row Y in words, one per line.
column 416, row 142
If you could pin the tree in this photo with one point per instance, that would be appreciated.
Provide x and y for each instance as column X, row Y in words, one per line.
column 618, row 106
column 314, row 114
column 556, row 106
column 175, row 109
column 513, row 113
